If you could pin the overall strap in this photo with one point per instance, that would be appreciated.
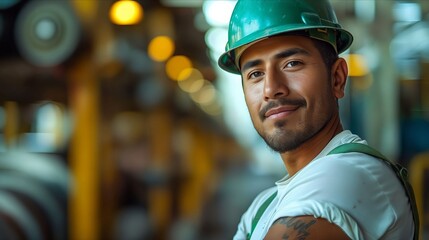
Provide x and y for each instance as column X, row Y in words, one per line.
column 259, row 213
column 400, row 172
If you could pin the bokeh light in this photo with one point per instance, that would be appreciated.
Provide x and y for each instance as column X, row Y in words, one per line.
column 357, row 65
column 126, row 12
column 176, row 65
column 190, row 80
column 161, row 48
column 46, row 29
column 205, row 95
column 218, row 12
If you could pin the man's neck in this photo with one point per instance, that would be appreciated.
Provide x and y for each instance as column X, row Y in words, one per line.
column 297, row 159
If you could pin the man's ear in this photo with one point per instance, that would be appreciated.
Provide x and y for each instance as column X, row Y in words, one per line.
column 339, row 74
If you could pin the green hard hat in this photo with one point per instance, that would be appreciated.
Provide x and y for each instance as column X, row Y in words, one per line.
column 253, row 20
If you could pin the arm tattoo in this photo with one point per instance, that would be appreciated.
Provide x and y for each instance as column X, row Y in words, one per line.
column 301, row 227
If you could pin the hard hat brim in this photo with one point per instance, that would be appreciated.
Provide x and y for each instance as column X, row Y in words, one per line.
column 227, row 61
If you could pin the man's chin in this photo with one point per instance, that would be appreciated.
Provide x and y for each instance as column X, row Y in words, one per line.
column 282, row 144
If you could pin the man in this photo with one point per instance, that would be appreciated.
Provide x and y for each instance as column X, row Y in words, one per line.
column 287, row 54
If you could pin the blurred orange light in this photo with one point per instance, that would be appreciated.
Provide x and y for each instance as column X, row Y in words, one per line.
column 357, row 65
column 126, row 12
column 161, row 48
column 176, row 65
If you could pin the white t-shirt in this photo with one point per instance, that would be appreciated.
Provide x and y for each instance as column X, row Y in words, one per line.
column 355, row 191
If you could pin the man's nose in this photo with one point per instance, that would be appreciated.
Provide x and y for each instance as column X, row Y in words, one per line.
column 275, row 85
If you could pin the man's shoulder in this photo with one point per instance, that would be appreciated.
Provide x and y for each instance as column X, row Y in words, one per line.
column 265, row 194
column 344, row 137
column 354, row 173
column 353, row 161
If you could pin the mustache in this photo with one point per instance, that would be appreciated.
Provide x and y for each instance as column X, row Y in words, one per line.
column 281, row 102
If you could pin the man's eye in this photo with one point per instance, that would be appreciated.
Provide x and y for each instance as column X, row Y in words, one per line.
column 293, row 64
column 255, row 74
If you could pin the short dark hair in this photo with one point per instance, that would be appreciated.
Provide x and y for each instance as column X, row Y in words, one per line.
column 327, row 52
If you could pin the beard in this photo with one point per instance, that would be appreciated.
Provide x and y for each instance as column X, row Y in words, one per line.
column 284, row 139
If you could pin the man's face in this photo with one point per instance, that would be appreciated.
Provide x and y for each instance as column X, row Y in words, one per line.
column 288, row 90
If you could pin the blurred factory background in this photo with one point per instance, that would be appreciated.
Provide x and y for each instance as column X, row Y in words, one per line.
column 116, row 123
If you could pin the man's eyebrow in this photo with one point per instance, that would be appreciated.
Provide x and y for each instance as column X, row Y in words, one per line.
column 250, row 64
column 290, row 52
column 284, row 54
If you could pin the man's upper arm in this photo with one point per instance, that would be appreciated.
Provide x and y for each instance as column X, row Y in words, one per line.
column 304, row 227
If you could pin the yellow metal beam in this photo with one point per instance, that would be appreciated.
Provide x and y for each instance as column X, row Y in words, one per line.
column 84, row 153
column 11, row 124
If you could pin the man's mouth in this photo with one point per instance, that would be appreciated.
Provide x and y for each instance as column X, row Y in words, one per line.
column 281, row 108
column 280, row 111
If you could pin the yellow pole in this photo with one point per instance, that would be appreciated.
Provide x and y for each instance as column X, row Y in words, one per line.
column 84, row 153
column 160, row 197
column 418, row 165
column 199, row 161
column 11, row 124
